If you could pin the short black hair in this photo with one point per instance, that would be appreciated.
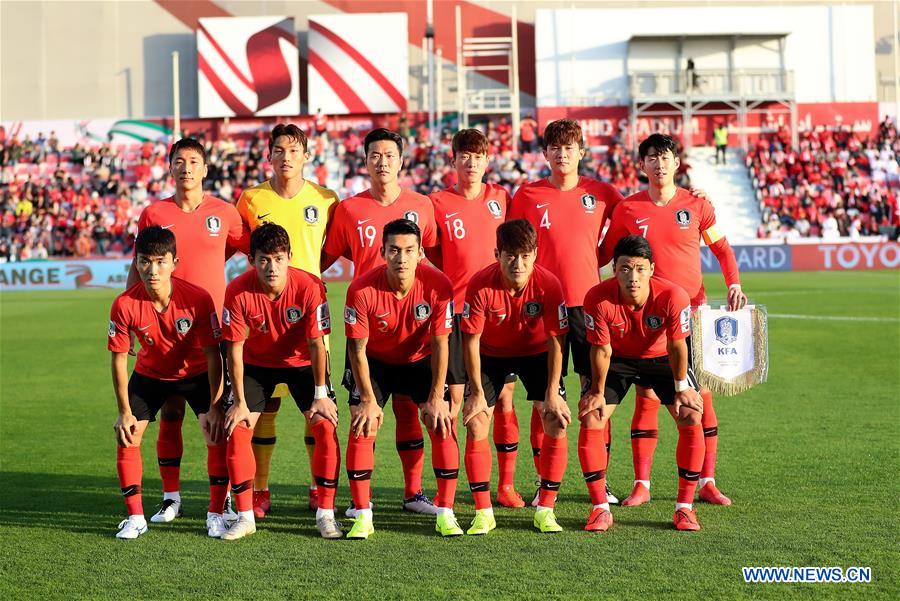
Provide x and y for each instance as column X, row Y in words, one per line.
column 155, row 241
column 381, row 133
column 292, row 132
column 660, row 143
column 633, row 246
column 269, row 238
column 187, row 144
column 516, row 236
column 400, row 227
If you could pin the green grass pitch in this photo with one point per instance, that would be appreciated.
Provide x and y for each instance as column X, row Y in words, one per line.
column 810, row 459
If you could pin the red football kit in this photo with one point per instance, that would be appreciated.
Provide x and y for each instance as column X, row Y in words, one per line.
column 172, row 341
column 467, row 231
column 399, row 331
column 355, row 231
column 514, row 325
column 642, row 333
column 569, row 225
column 276, row 330
column 201, row 237
column 674, row 232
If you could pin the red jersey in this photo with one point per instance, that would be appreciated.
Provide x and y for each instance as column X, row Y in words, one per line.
column 355, row 230
column 569, row 225
column 276, row 330
column 172, row 341
column 640, row 334
column 674, row 232
column 514, row 325
column 469, row 233
column 399, row 330
column 201, row 238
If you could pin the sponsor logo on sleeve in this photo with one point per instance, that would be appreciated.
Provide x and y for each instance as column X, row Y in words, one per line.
column 562, row 313
column 226, row 317
column 323, row 316
column 350, row 316
column 685, row 319
column 467, row 310
column 448, row 315
column 214, row 322
column 112, row 329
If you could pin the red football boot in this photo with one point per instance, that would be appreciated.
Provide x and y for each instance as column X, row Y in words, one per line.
column 261, row 503
column 600, row 520
column 507, row 496
column 313, row 498
column 686, row 519
column 640, row 494
column 712, row 495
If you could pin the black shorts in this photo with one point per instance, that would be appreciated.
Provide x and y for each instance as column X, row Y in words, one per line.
column 260, row 383
column 409, row 379
column 576, row 344
column 653, row 373
column 146, row 395
column 531, row 369
column 456, row 367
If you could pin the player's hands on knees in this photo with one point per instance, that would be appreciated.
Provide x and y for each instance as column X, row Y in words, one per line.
column 475, row 404
column 325, row 408
column 238, row 413
column 214, row 424
column 556, row 407
column 590, row 402
column 365, row 418
column 688, row 400
column 436, row 415
column 126, row 429
column 736, row 298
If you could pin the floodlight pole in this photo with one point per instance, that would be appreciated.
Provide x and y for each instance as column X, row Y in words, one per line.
column 429, row 49
column 176, row 99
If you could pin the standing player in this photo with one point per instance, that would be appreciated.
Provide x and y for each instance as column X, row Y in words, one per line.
column 673, row 221
column 637, row 325
column 208, row 230
column 178, row 326
column 398, row 317
column 515, row 323
column 471, row 212
column 569, row 212
column 304, row 209
column 268, row 312
column 354, row 233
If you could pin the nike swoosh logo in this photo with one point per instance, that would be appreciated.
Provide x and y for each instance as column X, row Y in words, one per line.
column 359, row 474
column 497, row 310
column 546, row 204
column 384, row 314
column 449, row 215
column 165, row 227
column 616, row 325
column 261, row 217
column 641, row 220
column 362, row 221
column 256, row 316
column 143, row 328
column 329, row 483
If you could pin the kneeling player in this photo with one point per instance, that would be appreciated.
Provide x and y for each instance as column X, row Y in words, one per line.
column 398, row 317
column 515, row 322
column 637, row 325
column 173, row 320
column 268, row 313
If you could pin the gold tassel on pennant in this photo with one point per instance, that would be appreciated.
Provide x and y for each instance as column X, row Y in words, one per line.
column 710, row 372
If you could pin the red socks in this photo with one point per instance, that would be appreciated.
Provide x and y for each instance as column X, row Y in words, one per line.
column 169, row 448
column 593, row 457
column 241, row 467
column 410, row 444
column 445, row 461
column 607, row 442
column 710, row 435
column 360, row 463
column 217, row 468
column 537, row 437
column 506, row 441
column 689, row 457
column 326, row 460
column 131, row 470
column 478, row 470
column 644, row 435
column 554, row 456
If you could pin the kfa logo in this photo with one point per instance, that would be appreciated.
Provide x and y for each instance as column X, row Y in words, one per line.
column 683, row 218
column 726, row 330
column 183, row 325
column 311, row 214
column 412, row 216
column 654, row 322
column 213, row 225
column 422, row 311
column 533, row 309
column 293, row 314
column 589, row 202
column 495, row 209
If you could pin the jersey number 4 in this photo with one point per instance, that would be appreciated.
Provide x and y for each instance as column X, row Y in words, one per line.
column 545, row 219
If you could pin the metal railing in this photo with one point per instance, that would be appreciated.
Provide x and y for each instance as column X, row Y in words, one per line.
column 712, row 82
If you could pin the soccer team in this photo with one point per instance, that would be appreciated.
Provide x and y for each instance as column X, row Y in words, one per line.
column 454, row 298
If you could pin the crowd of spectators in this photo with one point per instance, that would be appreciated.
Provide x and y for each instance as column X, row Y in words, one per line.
column 85, row 200
column 836, row 183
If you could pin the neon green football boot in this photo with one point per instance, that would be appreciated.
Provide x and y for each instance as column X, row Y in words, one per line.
column 362, row 527
column 483, row 522
column 545, row 521
column 446, row 524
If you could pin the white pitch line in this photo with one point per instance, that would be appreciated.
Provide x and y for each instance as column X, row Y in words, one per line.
column 835, row 317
